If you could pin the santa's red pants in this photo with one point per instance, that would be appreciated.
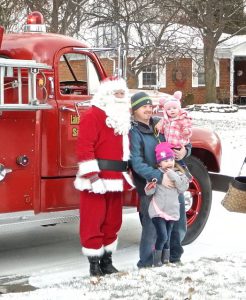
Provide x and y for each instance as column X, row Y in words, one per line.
column 100, row 218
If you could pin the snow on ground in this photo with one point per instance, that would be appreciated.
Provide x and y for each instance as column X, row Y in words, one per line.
column 231, row 130
column 207, row 278
column 214, row 266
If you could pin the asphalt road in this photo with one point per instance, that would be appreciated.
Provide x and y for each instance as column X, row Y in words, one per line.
column 34, row 250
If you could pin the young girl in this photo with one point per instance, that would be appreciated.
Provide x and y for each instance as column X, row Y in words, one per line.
column 176, row 124
column 164, row 206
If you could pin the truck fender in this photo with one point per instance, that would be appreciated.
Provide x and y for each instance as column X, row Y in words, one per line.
column 206, row 146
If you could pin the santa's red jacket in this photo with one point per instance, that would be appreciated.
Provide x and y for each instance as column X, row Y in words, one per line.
column 98, row 142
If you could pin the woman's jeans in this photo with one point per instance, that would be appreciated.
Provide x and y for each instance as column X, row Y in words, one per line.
column 148, row 237
column 163, row 230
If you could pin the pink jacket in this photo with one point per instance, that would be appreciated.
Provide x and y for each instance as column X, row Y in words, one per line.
column 178, row 130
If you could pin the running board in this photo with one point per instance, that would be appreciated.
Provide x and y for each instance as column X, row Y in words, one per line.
column 220, row 182
column 12, row 221
column 22, row 219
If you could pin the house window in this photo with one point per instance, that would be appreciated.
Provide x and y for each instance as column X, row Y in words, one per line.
column 201, row 73
column 150, row 76
column 198, row 72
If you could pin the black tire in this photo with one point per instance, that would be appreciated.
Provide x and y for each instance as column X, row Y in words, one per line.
column 201, row 188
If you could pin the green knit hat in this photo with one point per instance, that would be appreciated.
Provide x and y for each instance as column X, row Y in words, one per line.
column 139, row 99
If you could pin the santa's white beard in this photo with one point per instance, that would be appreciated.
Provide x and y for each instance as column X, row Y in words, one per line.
column 118, row 115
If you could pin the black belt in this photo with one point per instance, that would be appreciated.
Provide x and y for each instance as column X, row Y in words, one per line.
column 113, row 165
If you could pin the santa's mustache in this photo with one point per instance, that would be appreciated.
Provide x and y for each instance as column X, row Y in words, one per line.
column 122, row 100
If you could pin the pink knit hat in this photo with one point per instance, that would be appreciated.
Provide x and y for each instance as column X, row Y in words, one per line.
column 163, row 151
column 174, row 100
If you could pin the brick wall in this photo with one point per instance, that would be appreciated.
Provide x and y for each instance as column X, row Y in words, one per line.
column 178, row 77
column 185, row 85
column 223, row 91
column 78, row 66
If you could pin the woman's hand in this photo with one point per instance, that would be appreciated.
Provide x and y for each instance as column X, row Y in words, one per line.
column 180, row 154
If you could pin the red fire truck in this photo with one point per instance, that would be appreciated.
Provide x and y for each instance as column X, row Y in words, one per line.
column 46, row 82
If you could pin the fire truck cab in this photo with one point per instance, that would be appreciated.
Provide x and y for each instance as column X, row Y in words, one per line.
column 46, row 83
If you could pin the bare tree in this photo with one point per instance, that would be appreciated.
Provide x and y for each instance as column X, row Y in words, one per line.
column 143, row 27
column 63, row 16
column 11, row 14
column 147, row 29
column 211, row 17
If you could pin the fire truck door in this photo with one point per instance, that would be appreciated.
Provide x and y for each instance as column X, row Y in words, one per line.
column 78, row 80
column 19, row 161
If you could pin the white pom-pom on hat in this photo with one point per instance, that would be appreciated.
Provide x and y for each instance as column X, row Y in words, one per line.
column 177, row 95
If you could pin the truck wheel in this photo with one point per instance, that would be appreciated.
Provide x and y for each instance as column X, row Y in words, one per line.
column 198, row 199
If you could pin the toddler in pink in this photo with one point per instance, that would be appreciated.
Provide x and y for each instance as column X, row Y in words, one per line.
column 176, row 124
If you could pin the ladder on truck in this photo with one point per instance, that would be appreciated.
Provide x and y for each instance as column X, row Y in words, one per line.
column 32, row 68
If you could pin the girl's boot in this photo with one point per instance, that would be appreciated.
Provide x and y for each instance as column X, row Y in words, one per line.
column 157, row 258
column 165, row 256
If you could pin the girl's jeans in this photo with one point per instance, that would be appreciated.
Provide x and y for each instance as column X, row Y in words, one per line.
column 148, row 236
column 163, row 230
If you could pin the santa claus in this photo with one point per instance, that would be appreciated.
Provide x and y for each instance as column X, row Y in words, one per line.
column 103, row 153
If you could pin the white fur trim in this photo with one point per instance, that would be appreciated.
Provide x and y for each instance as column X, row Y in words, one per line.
column 92, row 252
column 112, row 185
column 128, row 179
column 88, row 166
column 126, row 148
column 107, row 87
column 111, row 247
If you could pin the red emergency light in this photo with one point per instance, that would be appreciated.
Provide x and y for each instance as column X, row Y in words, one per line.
column 35, row 22
column 35, row 17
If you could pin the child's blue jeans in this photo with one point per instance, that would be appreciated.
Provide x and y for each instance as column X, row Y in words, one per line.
column 148, row 236
column 163, row 231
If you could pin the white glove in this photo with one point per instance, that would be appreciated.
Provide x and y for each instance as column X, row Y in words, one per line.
column 98, row 187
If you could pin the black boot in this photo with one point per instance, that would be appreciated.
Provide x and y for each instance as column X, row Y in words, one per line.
column 95, row 269
column 106, row 264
